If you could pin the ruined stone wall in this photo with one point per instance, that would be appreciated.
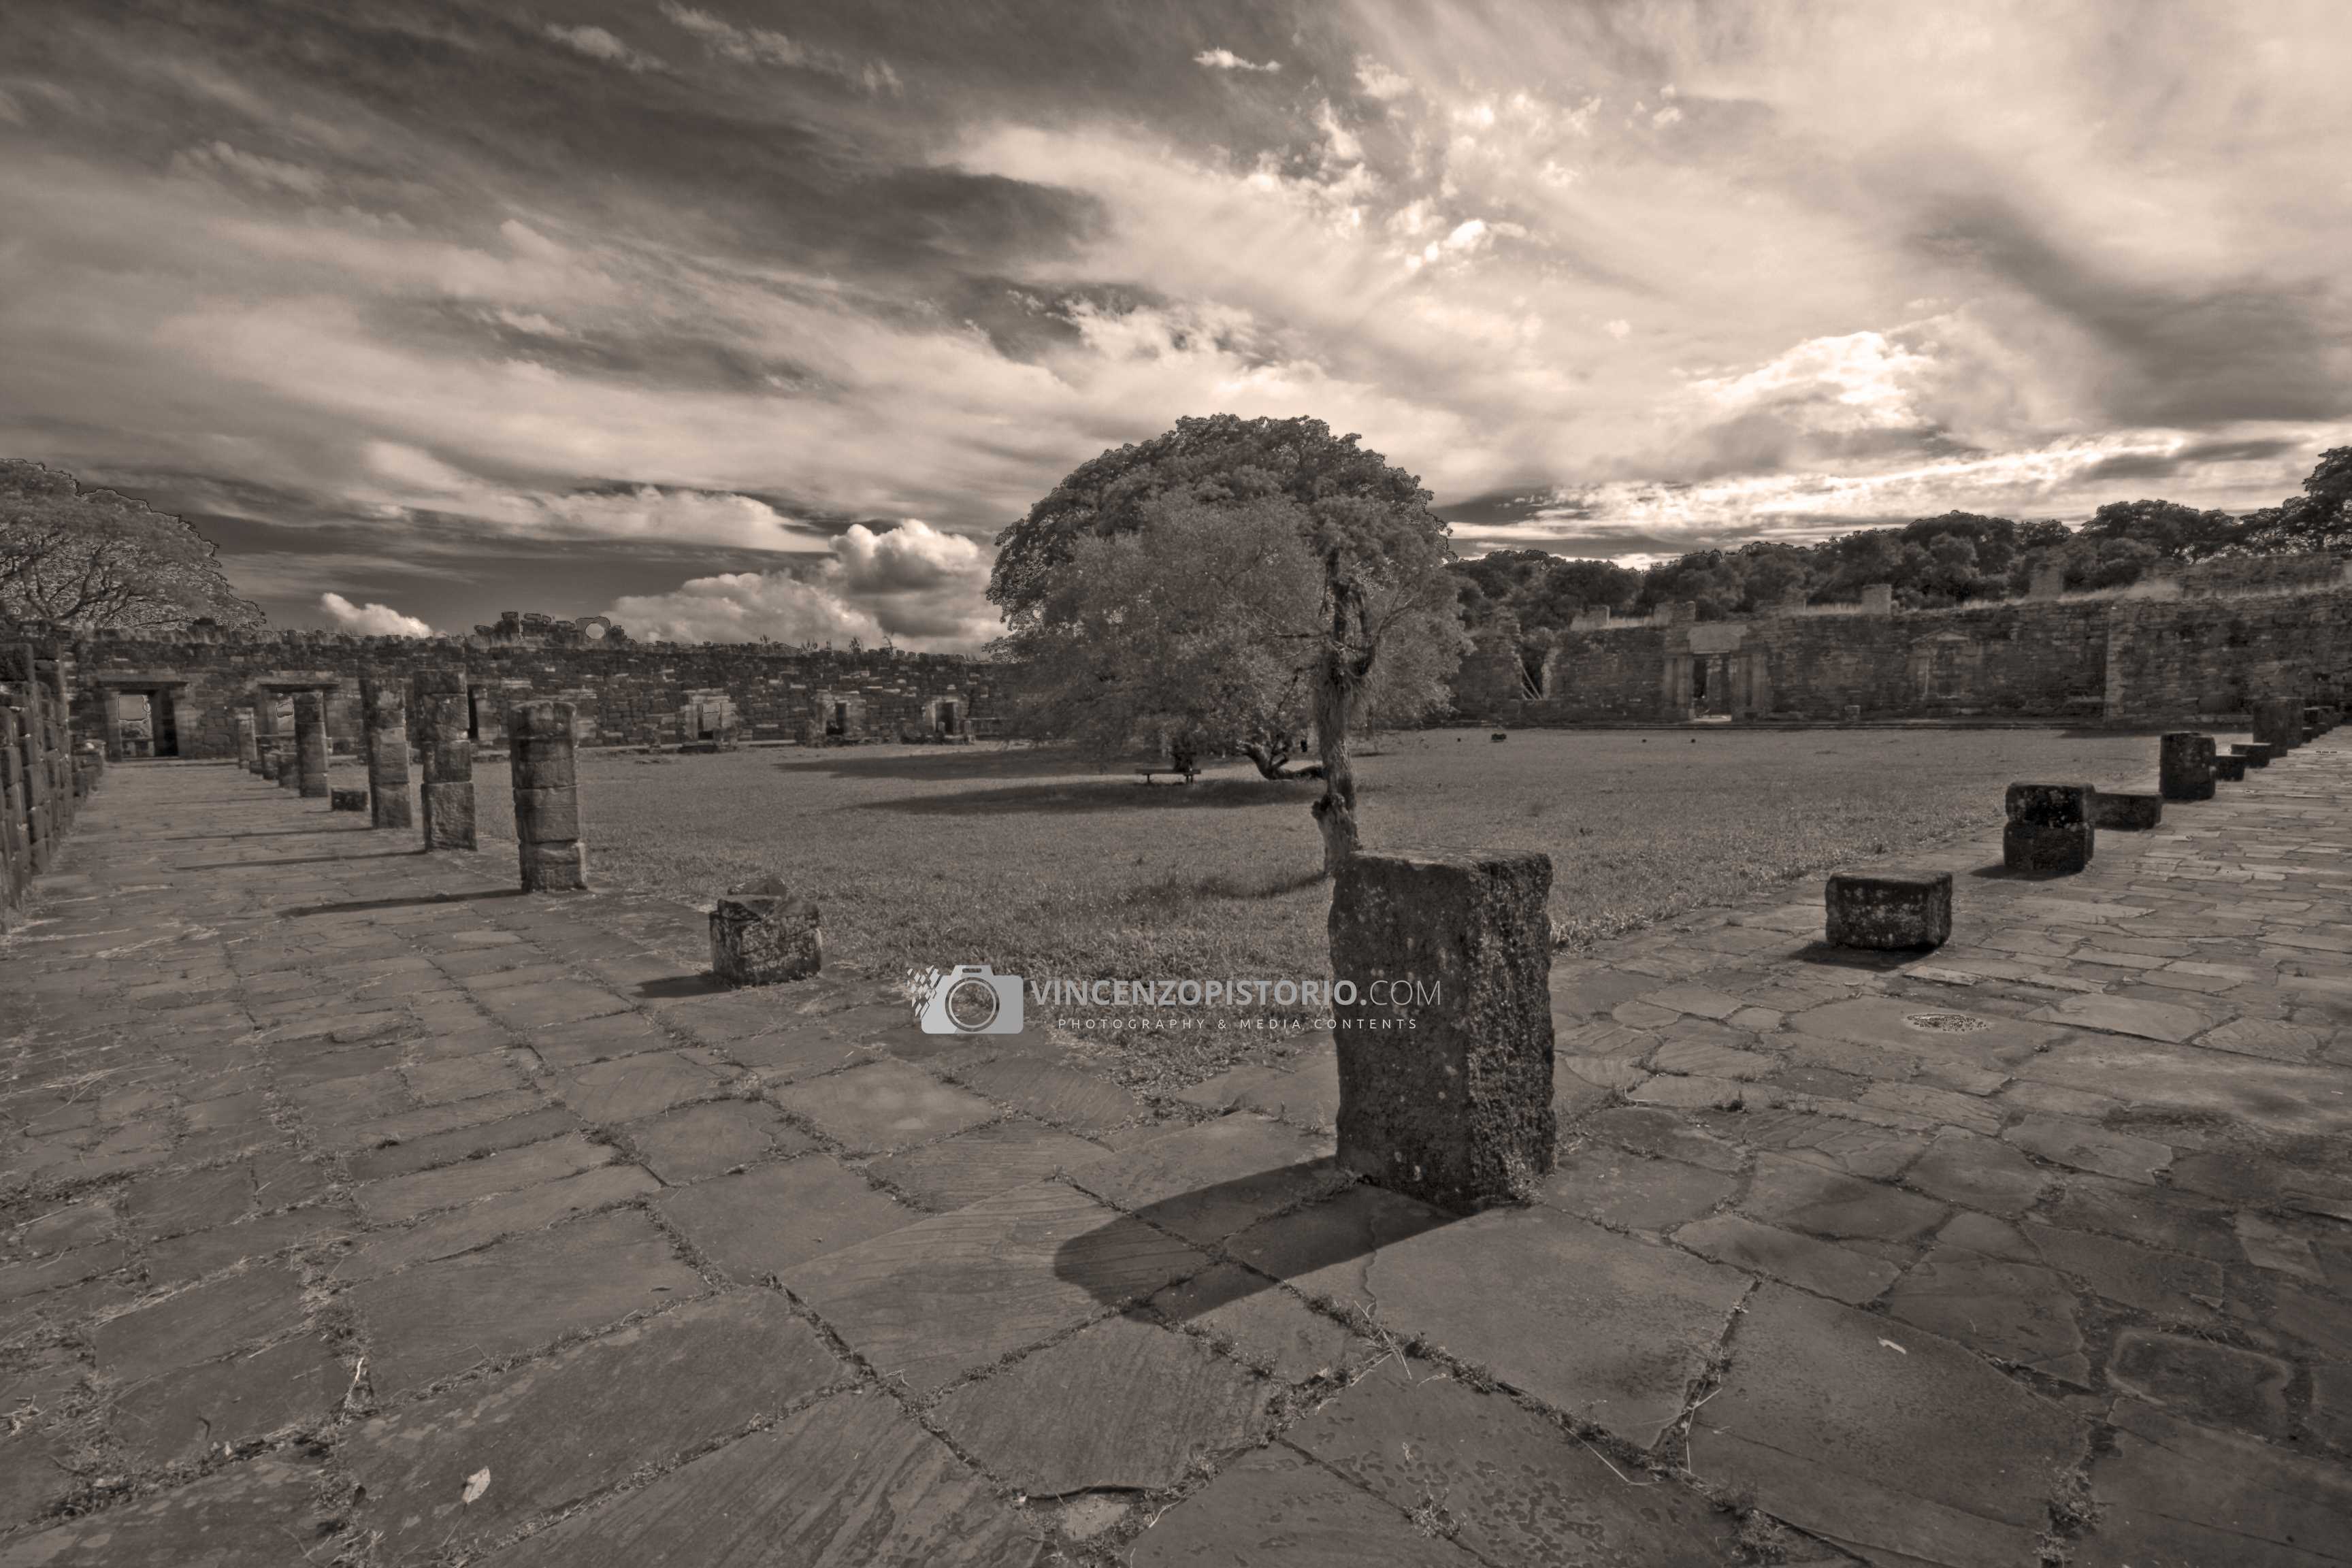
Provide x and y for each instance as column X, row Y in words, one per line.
column 629, row 694
column 2117, row 659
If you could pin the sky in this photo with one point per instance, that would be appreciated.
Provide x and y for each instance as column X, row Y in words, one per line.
column 750, row 318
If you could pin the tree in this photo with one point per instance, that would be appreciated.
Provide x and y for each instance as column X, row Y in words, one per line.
column 2170, row 529
column 2319, row 519
column 92, row 559
column 1275, row 567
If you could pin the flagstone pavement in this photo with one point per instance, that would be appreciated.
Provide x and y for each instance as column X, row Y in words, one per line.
column 359, row 1210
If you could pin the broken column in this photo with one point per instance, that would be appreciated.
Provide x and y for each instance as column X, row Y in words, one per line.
column 762, row 933
column 2228, row 768
column 2278, row 724
column 1441, row 967
column 2049, row 832
column 384, row 715
column 248, row 754
column 2185, row 766
column 449, row 757
column 311, row 742
column 546, row 797
column 1889, row 911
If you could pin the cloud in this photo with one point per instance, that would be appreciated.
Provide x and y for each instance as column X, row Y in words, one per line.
column 1226, row 61
column 766, row 47
column 744, row 606
column 217, row 159
column 372, row 619
column 599, row 45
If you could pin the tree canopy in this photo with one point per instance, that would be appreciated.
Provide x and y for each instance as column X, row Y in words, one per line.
column 92, row 559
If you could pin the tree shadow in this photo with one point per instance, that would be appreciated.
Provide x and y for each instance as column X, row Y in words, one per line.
column 1351, row 1222
column 362, row 906
column 1108, row 796
column 272, row 833
column 299, row 861
column 679, row 987
column 1878, row 961
column 949, row 763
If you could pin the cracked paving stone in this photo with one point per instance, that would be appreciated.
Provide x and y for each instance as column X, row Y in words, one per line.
column 178, row 1418
column 454, row 1231
column 2151, row 1215
column 404, row 1158
column 200, row 1322
column 932, row 1301
column 1278, row 1509
column 849, row 1482
column 399, row 1198
column 1799, row 1196
column 1205, row 1183
column 1631, row 1192
column 2165, row 1283
column 2012, row 1311
column 1523, row 1493
column 2174, row 1492
column 1266, row 1326
column 2212, row 1384
column 567, row 1427
column 696, row 1141
column 629, row 1088
column 2168, row 1021
column 986, row 1161
column 1135, row 1405
column 1054, row 1093
column 261, row 1514
column 883, row 1106
column 1665, row 1134
column 768, row 1220
column 1803, row 1261
column 1979, row 1173
column 441, row 1318
column 1921, row 1453
column 2064, row 1141
column 191, row 1257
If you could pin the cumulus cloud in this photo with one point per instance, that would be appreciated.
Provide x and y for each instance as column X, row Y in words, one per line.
column 1226, row 61
column 372, row 619
column 745, row 606
column 600, row 45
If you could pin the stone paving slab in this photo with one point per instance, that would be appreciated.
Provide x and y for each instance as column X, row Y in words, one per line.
column 2036, row 1247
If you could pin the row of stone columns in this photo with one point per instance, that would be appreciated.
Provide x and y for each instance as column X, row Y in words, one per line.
column 432, row 715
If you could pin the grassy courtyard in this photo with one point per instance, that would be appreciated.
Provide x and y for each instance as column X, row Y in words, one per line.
column 1039, row 864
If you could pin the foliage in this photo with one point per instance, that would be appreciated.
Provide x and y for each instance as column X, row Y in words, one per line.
column 2318, row 519
column 92, row 559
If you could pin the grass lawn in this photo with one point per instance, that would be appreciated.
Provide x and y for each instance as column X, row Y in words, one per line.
column 1040, row 865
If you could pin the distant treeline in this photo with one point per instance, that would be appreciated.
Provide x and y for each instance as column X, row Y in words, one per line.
column 1958, row 558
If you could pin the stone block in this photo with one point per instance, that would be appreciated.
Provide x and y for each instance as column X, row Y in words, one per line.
column 449, row 815
column 1445, row 1097
column 2256, row 755
column 2185, row 766
column 1891, row 909
column 385, row 713
column 2127, row 813
column 2230, row 769
column 553, row 867
column 762, row 933
column 285, row 764
column 347, row 800
column 310, row 743
column 2278, row 723
column 547, row 816
column 2049, row 832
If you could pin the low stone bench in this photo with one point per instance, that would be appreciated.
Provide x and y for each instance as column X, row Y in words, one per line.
column 347, row 800
column 2256, row 755
column 2185, row 766
column 1889, row 911
column 1446, row 1085
column 762, row 933
column 2049, row 832
column 2129, row 813
column 2230, row 769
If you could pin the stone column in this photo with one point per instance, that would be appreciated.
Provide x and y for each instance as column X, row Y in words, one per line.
column 248, row 750
column 546, row 797
column 1445, row 1084
column 2185, row 766
column 289, row 772
column 448, row 790
column 384, row 713
column 2278, row 724
column 265, row 740
column 109, row 704
column 311, row 742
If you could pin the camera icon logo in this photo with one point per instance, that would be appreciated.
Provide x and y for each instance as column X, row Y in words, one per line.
column 972, row 999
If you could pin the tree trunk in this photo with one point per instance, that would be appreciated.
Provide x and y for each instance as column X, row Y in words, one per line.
column 1335, row 812
column 1272, row 762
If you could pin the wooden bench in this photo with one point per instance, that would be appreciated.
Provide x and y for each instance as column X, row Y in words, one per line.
column 1187, row 774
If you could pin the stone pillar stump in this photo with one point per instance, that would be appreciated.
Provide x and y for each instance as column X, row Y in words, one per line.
column 2228, row 768
column 2049, row 832
column 288, row 777
column 2257, row 755
column 311, row 742
column 2185, row 766
column 248, row 751
column 448, row 755
column 2128, row 812
column 762, row 933
column 384, row 712
column 546, row 797
column 1442, row 970
column 2278, row 724
column 1889, row 911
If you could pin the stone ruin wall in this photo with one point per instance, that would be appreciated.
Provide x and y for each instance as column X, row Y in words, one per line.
column 628, row 694
column 2200, row 654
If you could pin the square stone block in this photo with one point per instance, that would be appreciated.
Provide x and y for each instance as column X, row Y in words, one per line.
column 2049, row 805
column 2127, row 813
column 547, row 816
column 762, row 933
column 1890, row 909
column 2185, row 766
column 1446, row 1097
column 2278, row 723
column 553, row 867
column 2230, row 769
column 348, row 800
column 2256, row 755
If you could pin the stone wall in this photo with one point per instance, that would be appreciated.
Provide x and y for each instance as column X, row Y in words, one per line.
column 42, row 781
column 624, row 693
column 2130, row 658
